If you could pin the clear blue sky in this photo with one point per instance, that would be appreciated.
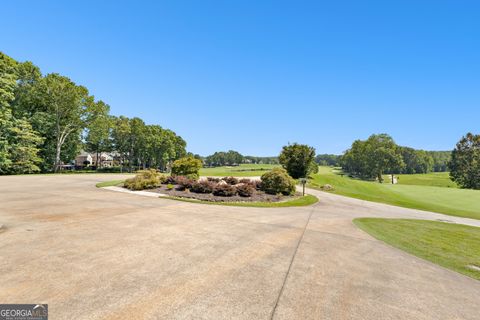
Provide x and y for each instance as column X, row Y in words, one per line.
column 254, row 75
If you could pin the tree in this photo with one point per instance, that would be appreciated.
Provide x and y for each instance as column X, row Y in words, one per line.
column 416, row 161
column 298, row 160
column 222, row 158
column 18, row 141
column 23, row 148
column 55, row 112
column 7, row 87
column 440, row 160
column 99, row 130
column 328, row 160
column 5, row 127
column 373, row 157
column 465, row 163
column 61, row 108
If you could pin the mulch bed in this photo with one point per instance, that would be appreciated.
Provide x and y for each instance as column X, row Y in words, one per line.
column 258, row 196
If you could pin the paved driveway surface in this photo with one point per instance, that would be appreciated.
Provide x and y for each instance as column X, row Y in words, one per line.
column 96, row 254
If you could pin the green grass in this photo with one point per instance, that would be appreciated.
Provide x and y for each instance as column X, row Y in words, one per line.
column 433, row 179
column 450, row 245
column 450, row 201
column 243, row 170
column 111, row 183
column 297, row 202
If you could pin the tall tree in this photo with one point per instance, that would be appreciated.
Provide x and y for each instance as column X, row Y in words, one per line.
column 7, row 88
column 5, row 127
column 465, row 163
column 64, row 110
column 23, row 147
column 99, row 130
column 298, row 160
column 373, row 157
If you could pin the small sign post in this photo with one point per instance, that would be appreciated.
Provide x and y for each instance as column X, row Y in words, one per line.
column 303, row 181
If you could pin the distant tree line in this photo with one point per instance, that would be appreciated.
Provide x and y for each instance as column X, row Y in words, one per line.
column 221, row 158
column 328, row 160
column 260, row 160
column 441, row 160
column 233, row 158
column 379, row 154
column 45, row 120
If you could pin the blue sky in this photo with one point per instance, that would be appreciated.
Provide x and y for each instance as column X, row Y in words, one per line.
column 254, row 75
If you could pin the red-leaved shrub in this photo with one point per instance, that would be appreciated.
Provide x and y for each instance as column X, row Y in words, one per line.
column 245, row 190
column 224, row 190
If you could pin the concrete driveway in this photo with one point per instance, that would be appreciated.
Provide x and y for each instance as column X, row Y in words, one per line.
column 96, row 254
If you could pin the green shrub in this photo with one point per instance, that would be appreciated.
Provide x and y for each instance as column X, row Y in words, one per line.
column 188, row 167
column 203, row 187
column 169, row 186
column 278, row 181
column 224, row 190
column 146, row 179
column 245, row 190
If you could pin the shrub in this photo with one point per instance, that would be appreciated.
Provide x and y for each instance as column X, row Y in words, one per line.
column 146, row 179
column 256, row 184
column 188, row 167
column 169, row 186
column 162, row 178
column 213, row 179
column 184, row 183
column 230, row 180
column 245, row 190
column 278, row 181
column 224, row 190
column 170, row 180
column 203, row 187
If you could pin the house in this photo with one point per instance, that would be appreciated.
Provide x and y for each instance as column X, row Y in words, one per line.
column 104, row 160
column 84, row 159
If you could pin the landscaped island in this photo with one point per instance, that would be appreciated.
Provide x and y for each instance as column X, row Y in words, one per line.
column 275, row 188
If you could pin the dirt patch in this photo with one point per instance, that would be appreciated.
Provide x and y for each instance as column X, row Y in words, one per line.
column 258, row 196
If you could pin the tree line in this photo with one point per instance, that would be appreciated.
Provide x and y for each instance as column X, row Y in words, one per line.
column 45, row 120
column 379, row 154
column 233, row 158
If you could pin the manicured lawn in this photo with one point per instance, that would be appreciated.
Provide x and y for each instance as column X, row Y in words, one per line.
column 112, row 183
column 433, row 179
column 451, row 201
column 452, row 246
column 298, row 202
column 243, row 170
